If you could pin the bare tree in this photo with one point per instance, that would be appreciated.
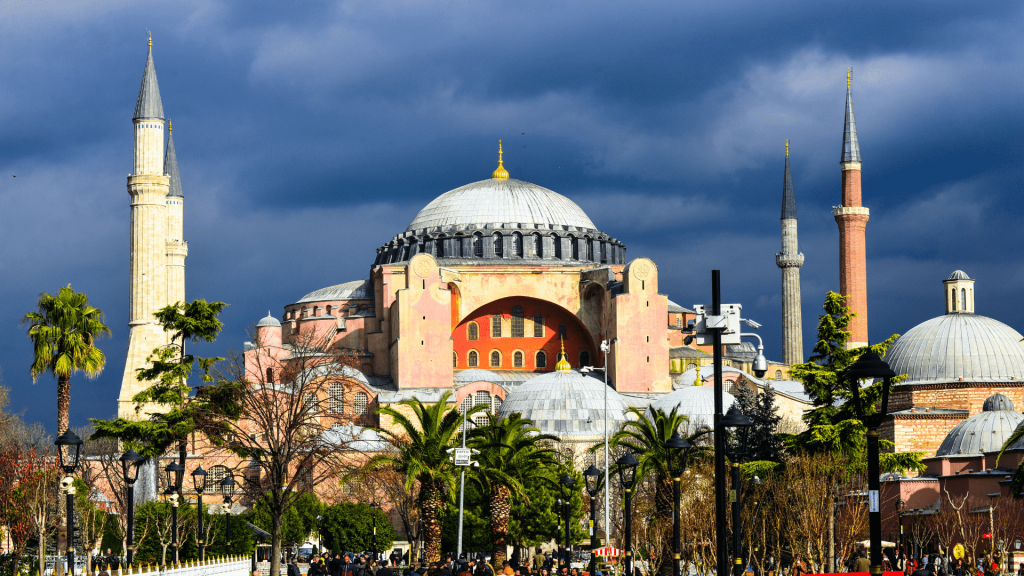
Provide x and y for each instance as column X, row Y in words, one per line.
column 273, row 406
column 380, row 482
column 39, row 487
column 851, row 520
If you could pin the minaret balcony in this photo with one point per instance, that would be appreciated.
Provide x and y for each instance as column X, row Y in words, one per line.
column 789, row 260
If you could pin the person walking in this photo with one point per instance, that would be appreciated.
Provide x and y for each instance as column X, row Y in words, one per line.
column 799, row 568
column 861, row 563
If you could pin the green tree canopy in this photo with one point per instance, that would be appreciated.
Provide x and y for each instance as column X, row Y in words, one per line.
column 348, row 527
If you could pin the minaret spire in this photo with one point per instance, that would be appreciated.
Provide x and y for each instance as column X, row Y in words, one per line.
column 851, row 148
column 790, row 260
column 171, row 165
column 149, row 104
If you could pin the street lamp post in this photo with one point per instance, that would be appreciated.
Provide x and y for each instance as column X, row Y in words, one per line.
column 678, row 454
column 320, row 533
column 174, row 472
column 130, row 461
column 373, row 512
column 737, row 420
column 901, row 507
column 591, row 477
column 199, row 483
column 627, row 464
column 70, row 442
column 567, row 487
column 871, row 366
column 227, row 490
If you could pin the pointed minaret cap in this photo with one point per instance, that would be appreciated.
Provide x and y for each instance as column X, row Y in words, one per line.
column 851, row 148
column 563, row 365
column 149, row 105
column 171, row 167
column 788, row 200
column 500, row 173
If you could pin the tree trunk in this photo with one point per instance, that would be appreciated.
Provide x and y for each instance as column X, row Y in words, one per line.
column 42, row 551
column 431, row 521
column 500, row 509
column 63, row 400
column 275, row 544
column 664, row 503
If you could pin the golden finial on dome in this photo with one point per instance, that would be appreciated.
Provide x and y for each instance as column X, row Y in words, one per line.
column 150, row 40
column 697, row 381
column 848, row 75
column 787, row 146
column 562, row 365
column 170, row 128
column 500, row 173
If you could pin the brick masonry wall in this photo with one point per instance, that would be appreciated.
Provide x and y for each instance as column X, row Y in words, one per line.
column 955, row 395
column 919, row 434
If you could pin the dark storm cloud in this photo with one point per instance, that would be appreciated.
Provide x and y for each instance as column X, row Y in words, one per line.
column 309, row 134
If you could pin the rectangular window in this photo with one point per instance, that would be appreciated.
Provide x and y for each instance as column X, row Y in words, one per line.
column 496, row 326
column 561, row 331
column 538, row 326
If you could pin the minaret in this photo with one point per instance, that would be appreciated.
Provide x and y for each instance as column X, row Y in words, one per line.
column 852, row 219
column 177, row 248
column 790, row 260
column 148, row 186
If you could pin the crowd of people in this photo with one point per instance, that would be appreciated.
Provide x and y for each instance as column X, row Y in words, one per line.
column 351, row 564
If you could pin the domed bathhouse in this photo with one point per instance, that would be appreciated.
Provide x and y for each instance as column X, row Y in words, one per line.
column 477, row 296
column 958, row 403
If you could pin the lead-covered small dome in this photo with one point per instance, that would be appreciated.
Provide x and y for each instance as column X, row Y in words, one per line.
column 269, row 322
column 566, row 404
column 984, row 432
column 697, row 403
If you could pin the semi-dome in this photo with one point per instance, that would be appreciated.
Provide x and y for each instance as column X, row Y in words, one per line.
column 356, row 290
column 697, row 403
column 958, row 347
column 501, row 201
column 269, row 322
column 566, row 404
column 984, row 432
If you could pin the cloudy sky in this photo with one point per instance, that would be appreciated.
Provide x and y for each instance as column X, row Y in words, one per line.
column 307, row 135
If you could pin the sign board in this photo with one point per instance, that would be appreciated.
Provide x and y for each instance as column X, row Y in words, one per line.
column 958, row 551
column 462, row 457
column 873, row 501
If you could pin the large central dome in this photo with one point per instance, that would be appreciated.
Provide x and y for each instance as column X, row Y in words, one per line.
column 494, row 201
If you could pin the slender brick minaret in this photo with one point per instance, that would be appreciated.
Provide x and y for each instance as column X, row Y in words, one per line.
column 790, row 260
column 148, row 186
column 852, row 219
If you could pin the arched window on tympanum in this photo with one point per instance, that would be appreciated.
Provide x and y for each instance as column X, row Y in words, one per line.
column 455, row 359
column 270, row 376
column 495, row 359
column 496, row 326
column 538, row 326
column 336, row 398
column 517, row 322
column 473, row 331
column 473, row 360
column 517, row 359
column 542, row 359
column 584, row 359
column 361, row 404
column 561, row 331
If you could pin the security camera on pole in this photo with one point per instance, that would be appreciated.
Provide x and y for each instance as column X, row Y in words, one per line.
column 462, row 457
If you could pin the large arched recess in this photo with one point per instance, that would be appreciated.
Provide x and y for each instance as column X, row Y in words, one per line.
column 577, row 337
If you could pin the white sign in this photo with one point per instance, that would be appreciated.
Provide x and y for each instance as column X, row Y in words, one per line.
column 873, row 501
column 462, row 456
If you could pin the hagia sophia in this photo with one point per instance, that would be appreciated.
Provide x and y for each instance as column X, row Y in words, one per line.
column 506, row 293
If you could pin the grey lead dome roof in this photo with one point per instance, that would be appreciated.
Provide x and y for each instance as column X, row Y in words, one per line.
column 959, row 345
column 269, row 322
column 566, row 404
column 984, row 432
column 500, row 201
column 357, row 290
column 697, row 403
column 958, row 275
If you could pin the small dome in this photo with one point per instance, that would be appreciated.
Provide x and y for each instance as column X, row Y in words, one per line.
column 997, row 402
column 357, row 290
column 697, row 403
column 958, row 347
column 566, row 404
column 958, row 275
column 268, row 322
column 984, row 432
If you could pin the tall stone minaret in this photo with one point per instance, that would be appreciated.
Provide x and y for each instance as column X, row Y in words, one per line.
column 177, row 248
column 852, row 219
column 790, row 260
column 148, row 186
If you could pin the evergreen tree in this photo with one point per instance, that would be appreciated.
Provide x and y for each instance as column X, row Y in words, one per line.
column 764, row 442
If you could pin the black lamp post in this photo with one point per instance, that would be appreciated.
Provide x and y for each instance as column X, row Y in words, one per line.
column 374, row 506
column 592, row 476
column 901, row 507
column 678, row 455
column 871, row 366
column 174, row 473
column 227, row 489
column 199, row 483
column 130, row 461
column 627, row 475
column 70, row 442
column 734, row 418
column 567, row 486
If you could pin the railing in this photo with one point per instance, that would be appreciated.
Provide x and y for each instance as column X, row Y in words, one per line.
column 227, row 566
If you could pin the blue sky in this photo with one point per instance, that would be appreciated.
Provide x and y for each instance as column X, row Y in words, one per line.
column 307, row 135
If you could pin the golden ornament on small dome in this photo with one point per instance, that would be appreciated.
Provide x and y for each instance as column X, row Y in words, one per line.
column 500, row 173
column 563, row 365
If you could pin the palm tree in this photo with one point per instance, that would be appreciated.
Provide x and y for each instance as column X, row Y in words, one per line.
column 421, row 444
column 510, row 455
column 645, row 436
column 64, row 331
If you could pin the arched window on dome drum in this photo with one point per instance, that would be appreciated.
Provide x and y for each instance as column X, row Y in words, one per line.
column 778, row 374
column 478, row 245
column 456, row 251
column 496, row 326
column 499, row 249
column 517, row 244
column 604, row 252
column 584, row 359
column 590, row 248
column 495, row 359
column 439, row 247
column 952, row 295
column 536, row 250
column 538, row 326
column 575, row 248
column 455, row 359
column 473, row 359
column 473, row 331
column 963, row 299
column 558, row 245
column 270, row 376
column 517, row 322
column 361, row 404
column 336, row 398
column 542, row 360
column 517, row 360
